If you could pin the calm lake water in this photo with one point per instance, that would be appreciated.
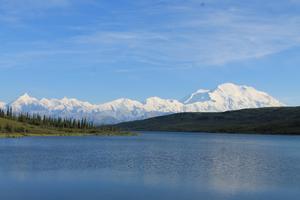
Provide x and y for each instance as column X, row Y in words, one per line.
column 151, row 166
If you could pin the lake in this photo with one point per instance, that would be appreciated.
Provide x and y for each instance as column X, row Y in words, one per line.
column 154, row 165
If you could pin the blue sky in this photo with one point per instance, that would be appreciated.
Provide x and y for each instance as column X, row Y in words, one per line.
column 100, row 50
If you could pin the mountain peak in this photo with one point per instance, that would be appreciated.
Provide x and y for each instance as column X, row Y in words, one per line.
column 24, row 103
column 230, row 96
column 123, row 100
column 229, row 84
column 25, row 95
column 26, row 98
column 153, row 99
column 66, row 100
column 230, row 88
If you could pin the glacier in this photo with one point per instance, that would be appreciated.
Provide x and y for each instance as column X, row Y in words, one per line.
column 225, row 97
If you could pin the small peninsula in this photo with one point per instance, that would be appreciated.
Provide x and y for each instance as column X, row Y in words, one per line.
column 24, row 124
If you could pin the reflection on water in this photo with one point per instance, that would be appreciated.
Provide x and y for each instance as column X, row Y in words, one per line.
column 151, row 166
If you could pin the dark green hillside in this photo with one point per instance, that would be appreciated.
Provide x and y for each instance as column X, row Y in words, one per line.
column 285, row 120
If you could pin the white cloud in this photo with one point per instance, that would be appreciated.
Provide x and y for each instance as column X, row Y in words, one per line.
column 211, row 39
column 187, row 38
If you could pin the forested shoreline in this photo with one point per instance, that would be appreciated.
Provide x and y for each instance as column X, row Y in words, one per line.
column 25, row 124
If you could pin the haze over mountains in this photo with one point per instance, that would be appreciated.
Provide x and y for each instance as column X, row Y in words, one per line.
column 225, row 97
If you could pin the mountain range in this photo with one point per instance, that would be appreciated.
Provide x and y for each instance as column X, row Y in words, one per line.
column 225, row 97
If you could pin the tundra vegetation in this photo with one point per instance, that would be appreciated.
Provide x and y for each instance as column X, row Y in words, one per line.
column 25, row 124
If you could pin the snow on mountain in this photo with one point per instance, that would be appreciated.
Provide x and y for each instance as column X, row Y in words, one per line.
column 2, row 105
column 117, row 111
column 199, row 95
column 55, row 107
column 225, row 97
column 25, row 103
column 156, row 104
column 229, row 96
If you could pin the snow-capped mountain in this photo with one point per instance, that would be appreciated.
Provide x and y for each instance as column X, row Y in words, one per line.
column 225, row 97
column 229, row 96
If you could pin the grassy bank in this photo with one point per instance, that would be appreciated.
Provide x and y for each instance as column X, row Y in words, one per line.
column 19, row 135
column 14, row 129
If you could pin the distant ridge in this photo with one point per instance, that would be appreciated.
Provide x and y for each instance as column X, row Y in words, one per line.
column 225, row 97
column 284, row 120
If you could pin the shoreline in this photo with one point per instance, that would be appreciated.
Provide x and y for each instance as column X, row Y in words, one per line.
column 21, row 135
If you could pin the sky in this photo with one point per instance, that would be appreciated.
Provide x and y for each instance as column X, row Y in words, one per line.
column 100, row 50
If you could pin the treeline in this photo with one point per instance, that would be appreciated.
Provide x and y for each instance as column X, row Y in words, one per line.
column 46, row 121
